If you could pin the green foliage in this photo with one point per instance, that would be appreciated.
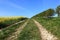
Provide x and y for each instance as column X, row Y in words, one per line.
column 58, row 10
column 46, row 13
column 49, row 12
column 30, row 32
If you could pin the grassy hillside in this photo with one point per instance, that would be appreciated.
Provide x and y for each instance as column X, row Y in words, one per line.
column 30, row 32
column 51, row 24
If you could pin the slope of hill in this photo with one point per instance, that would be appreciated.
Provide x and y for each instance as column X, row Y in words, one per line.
column 51, row 24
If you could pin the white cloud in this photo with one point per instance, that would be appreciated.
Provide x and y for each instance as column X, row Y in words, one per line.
column 18, row 6
column 15, row 5
column 9, row 3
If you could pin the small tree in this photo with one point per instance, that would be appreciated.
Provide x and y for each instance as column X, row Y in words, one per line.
column 58, row 10
column 46, row 13
column 49, row 12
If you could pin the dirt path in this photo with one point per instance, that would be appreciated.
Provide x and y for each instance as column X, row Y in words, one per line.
column 15, row 34
column 45, row 35
column 13, row 24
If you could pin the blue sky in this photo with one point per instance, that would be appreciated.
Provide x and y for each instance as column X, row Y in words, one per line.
column 26, row 8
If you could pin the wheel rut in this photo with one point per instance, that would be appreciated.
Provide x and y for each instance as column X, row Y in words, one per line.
column 45, row 35
column 15, row 35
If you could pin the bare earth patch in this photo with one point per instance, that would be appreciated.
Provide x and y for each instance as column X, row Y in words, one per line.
column 15, row 34
column 45, row 35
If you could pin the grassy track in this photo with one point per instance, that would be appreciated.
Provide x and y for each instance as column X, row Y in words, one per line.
column 52, row 25
column 30, row 32
column 8, row 31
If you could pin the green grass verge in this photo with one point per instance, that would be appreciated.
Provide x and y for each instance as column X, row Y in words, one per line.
column 51, row 24
column 8, row 31
column 30, row 32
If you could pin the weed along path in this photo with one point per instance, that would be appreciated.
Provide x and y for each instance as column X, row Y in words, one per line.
column 13, row 24
column 45, row 35
column 15, row 35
